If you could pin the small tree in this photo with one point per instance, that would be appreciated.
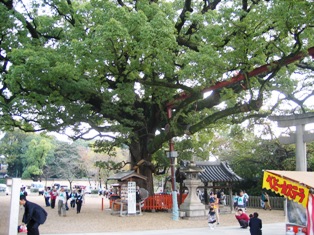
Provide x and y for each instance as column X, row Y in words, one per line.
column 67, row 163
column 36, row 158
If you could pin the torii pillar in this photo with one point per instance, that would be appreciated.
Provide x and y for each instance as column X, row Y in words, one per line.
column 300, row 137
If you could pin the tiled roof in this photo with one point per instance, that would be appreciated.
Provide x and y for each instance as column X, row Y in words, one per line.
column 216, row 171
column 123, row 175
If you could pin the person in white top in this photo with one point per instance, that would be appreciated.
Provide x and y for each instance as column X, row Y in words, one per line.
column 47, row 196
column 241, row 201
column 79, row 201
column 62, row 198
column 223, row 199
column 246, row 199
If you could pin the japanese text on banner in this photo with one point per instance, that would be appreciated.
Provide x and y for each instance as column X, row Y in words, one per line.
column 287, row 188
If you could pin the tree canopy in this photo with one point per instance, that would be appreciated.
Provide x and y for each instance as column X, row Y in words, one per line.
column 249, row 155
column 40, row 156
column 119, row 67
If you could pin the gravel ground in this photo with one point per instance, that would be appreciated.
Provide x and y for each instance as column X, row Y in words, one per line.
column 92, row 219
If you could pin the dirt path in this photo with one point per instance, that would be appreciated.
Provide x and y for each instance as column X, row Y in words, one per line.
column 92, row 219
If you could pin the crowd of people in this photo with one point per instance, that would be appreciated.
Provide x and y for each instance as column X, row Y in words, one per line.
column 34, row 215
column 240, row 203
column 63, row 198
column 59, row 197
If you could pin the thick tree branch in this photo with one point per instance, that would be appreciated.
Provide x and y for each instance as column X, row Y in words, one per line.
column 304, row 65
column 182, row 18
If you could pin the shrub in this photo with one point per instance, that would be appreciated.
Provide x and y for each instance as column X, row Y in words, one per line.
column 94, row 191
column 34, row 190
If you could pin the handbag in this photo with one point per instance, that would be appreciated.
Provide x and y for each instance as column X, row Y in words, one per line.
column 22, row 229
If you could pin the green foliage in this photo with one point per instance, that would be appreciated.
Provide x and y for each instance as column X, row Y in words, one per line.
column 34, row 190
column 36, row 155
column 94, row 191
column 11, row 148
column 249, row 156
column 66, row 163
column 110, row 165
column 310, row 156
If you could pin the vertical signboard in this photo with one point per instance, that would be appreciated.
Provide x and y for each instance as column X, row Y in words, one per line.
column 15, row 206
column 131, row 198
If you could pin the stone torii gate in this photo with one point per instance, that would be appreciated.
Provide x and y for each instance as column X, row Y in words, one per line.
column 300, row 137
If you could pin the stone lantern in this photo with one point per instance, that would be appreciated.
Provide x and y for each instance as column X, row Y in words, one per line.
column 192, row 206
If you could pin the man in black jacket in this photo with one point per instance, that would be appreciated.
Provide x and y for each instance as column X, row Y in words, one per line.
column 34, row 215
column 255, row 225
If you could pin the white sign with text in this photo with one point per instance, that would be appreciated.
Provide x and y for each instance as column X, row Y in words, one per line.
column 131, row 198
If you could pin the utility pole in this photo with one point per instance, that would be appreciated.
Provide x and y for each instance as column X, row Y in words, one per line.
column 172, row 156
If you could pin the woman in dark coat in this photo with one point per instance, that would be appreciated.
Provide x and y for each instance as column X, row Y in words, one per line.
column 34, row 215
column 255, row 225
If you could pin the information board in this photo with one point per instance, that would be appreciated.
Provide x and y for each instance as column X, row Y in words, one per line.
column 131, row 198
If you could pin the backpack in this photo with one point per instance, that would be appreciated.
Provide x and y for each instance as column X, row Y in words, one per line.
column 79, row 198
column 43, row 216
column 211, row 200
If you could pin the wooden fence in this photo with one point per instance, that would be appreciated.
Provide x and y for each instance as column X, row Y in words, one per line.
column 160, row 202
column 276, row 203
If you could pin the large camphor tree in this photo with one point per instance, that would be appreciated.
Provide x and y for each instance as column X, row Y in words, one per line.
column 112, row 69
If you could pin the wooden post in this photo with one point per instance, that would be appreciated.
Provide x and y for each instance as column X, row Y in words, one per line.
column 15, row 206
column 231, row 197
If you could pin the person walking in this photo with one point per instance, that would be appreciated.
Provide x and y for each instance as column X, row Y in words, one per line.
column 79, row 201
column 73, row 196
column 23, row 191
column 267, row 201
column 246, row 199
column 34, row 215
column 262, row 199
column 53, row 197
column 235, row 201
column 222, row 199
column 62, row 198
column 255, row 225
column 216, row 208
column 242, row 218
column 47, row 196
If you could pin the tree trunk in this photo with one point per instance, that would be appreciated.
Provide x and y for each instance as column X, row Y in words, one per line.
column 146, row 168
column 149, row 184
